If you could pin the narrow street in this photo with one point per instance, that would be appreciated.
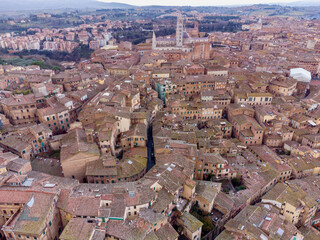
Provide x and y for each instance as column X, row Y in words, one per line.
column 151, row 159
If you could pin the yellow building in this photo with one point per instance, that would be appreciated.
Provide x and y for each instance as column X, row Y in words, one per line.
column 118, row 71
column 189, row 188
column 77, row 150
column 253, row 98
column 303, row 166
column 37, row 219
column 135, row 137
column 205, row 194
column 294, row 204
column 213, row 164
column 192, row 227
column 11, row 202
column 3, row 169
column 161, row 74
column 79, row 228
column 283, row 87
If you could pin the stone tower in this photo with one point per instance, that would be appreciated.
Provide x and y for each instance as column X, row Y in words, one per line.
column 179, row 32
column 154, row 40
column 196, row 26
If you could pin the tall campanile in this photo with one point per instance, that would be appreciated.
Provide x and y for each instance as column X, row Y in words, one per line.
column 179, row 32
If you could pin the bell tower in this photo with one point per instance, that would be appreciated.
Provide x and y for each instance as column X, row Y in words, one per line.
column 154, row 40
column 179, row 31
column 196, row 26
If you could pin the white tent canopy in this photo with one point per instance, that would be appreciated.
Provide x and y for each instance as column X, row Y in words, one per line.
column 300, row 74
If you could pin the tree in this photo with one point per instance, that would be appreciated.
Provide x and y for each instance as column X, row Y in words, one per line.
column 38, row 63
column 180, row 229
column 56, row 68
column 210, row 177
column 242, row 187
column 207, row 224
column 236, row 182
column 4, row 50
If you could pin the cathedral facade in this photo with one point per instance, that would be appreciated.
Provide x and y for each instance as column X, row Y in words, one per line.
column 183, row 41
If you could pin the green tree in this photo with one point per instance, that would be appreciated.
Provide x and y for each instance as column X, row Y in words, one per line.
column 210, row 177
column 207, row 224
column 38, row 63
column 236, row 182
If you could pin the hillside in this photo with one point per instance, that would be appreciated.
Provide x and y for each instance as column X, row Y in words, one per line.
column 18, row 5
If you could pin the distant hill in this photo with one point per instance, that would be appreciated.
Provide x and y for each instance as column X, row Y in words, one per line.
column 28, row 5
column 302, row 4
column 18, row 5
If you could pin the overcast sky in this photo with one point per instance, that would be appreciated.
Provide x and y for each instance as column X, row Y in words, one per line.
column 199, row 2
